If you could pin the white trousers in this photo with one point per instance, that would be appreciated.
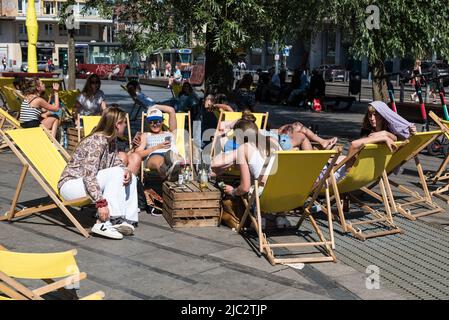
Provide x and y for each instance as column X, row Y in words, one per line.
column 122, row 200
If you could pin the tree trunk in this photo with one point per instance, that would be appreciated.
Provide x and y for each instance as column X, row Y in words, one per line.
column 380, row 88
column 219, row 77
column 71, row 63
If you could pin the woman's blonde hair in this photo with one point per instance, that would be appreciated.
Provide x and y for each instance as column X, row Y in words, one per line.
column 366, row 125
column 110, row 117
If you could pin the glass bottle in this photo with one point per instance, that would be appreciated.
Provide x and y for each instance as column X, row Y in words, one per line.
column 204, row 179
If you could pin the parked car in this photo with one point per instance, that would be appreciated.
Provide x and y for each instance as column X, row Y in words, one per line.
column 332, row 72
column 41, row 66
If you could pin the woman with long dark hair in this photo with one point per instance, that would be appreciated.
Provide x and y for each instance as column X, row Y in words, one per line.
column 91, row 101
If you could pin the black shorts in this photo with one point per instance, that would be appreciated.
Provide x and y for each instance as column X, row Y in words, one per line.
column 31, row 124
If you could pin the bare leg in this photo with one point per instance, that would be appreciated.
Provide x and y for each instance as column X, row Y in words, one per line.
column 155, row 163
column 325, row 143
column 51, row 123
column 134, row 161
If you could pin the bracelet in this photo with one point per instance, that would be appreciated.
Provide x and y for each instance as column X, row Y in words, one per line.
column 101, row 203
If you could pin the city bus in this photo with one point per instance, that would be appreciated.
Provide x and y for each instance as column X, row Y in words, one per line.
column 183, row 57
column 107, row 61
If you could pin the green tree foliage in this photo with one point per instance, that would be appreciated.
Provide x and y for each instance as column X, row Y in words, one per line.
column 221, row 26
column 406, row 28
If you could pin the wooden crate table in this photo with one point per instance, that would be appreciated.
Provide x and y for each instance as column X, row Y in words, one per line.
column 189, row 206
column 72, row 138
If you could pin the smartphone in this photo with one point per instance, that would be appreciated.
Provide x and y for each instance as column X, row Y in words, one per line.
column 168, row 138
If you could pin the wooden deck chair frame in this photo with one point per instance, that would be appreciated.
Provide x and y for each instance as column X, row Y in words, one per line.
column 137, row 104
column 29, row 166
column 398, row 159
column 190, row 158
column 263, row 125
column 68, row 97
column 12, row 98
column 441, row 174
column 385, row 220
column 265, row 247
column 66, row 269
column 6, row 118
column 128, row 126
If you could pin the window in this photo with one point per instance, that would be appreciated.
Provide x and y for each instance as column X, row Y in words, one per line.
column 20, row 6
column 49, row 7
column 48, row 29
column 62, row 30
column 22, row 29
column 84, row 30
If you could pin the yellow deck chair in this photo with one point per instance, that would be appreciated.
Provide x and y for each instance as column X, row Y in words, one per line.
column 261, row 122
column 287, row 188
column 181, row 118
column 42, row 155
column 69, row 98
column 90, row 122
column 40, row 266
column 369, row 167
column 441, row 174
column 7, row 121
column 13, row 102
column 413, row 146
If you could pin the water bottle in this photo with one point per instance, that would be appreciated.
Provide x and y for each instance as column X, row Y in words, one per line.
column 181, row 177
column 204, row 179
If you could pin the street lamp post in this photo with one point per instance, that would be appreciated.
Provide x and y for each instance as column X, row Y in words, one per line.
column 32, row 30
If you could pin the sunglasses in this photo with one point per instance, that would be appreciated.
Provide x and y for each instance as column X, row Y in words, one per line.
column 157, row 122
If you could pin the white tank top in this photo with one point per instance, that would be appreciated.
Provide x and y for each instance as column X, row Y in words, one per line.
column 155, row 139
column 256, row 164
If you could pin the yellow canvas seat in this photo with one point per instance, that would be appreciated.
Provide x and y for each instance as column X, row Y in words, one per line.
column 7, row 121
column 40, row 266
column 90, row 122
column 289, row 187
column 182, row 142
column 11, row 97
column 410, row 150
column 42, row 155
column 69, row 98
column 368, row 168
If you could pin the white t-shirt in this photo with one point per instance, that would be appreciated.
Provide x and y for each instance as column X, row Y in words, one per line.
column 92, row 106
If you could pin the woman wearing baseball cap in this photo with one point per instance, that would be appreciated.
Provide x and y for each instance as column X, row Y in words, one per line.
column 157, row 148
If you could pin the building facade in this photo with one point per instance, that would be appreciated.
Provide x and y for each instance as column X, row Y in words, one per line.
column 52, row 37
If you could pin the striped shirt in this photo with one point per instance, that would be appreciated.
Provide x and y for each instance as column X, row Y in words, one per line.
column 28, row 113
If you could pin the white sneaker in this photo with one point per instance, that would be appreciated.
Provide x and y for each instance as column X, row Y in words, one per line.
column 106, row 230
column 124, row 228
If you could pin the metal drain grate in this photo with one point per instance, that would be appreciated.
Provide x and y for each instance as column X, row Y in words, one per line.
column 415, row 264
